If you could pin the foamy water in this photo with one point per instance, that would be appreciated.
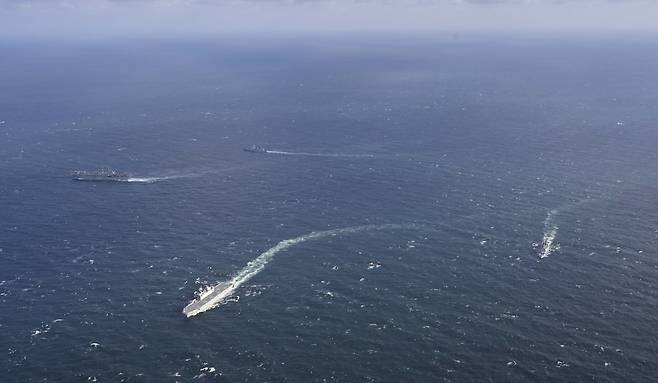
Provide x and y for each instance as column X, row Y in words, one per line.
column 150, row 180
column 146, row 180
column 339, row 155
column 548, row 244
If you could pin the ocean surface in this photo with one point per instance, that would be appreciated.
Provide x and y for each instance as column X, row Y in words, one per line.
column 452, row 209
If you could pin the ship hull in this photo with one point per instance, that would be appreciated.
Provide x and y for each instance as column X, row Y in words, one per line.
column 101, row 179
column 255, row 149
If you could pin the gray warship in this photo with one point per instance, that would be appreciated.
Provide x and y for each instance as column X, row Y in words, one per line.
column 209, row 298
column 255, row 149
column 102, row 175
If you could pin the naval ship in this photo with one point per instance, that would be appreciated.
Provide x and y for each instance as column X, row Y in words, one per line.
column 255, row 149
column 108, row 175
column 209, row 298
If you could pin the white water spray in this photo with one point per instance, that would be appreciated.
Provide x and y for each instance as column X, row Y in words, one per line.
column 548, row 244
column 150, row 180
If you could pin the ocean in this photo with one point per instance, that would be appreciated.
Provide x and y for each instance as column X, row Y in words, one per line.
column 429, row 208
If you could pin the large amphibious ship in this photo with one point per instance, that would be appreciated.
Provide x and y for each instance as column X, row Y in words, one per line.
column 209, row 298
column 101, row 175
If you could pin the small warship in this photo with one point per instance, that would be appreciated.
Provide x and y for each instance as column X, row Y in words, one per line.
column 101, row 175
column 255, row 149
column 209, row 298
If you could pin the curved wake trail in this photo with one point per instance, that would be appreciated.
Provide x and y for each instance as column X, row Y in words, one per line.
column 213, row 296
column 336, row 155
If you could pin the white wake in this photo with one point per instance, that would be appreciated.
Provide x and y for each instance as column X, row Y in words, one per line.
column 338, row 155
column 548, row 244
column 150, row 180
column 258, row 264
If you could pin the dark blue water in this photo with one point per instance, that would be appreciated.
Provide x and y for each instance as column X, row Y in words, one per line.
column 482, row 147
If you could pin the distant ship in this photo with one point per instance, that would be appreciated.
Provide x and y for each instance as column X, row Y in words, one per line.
column 101, row 175
column 209, row 298
column 255, row 149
